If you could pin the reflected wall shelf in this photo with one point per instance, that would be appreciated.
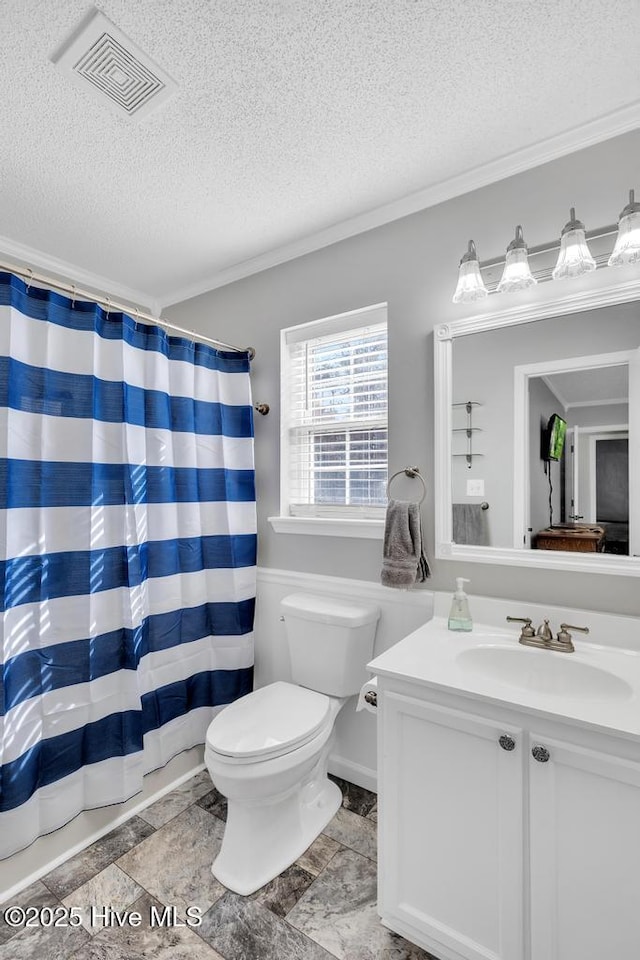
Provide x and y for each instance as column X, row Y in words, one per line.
column 469, row 430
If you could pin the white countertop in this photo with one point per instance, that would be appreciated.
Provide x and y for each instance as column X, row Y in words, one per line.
column 431, row 656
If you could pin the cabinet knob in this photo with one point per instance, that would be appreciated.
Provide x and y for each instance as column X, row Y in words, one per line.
column 507, row 742
column 539, row 753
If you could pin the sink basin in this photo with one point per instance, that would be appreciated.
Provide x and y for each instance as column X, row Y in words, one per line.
column 544, row 671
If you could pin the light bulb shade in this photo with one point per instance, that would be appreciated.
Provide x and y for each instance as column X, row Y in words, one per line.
column 470, row 283
column 575, row 257
column 516, row 274
column 627, row 248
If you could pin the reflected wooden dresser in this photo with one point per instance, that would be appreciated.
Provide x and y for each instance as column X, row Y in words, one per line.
column 578, row 539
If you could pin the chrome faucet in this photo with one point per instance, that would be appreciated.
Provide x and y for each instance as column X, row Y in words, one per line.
column 543, row 636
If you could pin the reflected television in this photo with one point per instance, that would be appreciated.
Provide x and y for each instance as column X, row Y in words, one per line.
column 555, row 436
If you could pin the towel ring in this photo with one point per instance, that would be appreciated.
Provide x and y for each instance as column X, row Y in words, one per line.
column 412, row 472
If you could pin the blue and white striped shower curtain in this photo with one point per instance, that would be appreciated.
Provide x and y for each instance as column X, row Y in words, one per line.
column 128, row 539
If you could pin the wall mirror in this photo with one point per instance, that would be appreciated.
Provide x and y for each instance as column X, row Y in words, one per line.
column 537, row 407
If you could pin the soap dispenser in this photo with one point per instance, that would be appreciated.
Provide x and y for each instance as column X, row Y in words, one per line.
column 459, row 615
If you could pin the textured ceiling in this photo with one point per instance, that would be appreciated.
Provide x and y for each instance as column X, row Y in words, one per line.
column 292, row 116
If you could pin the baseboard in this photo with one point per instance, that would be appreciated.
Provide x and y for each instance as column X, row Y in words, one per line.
column 353, row 772
column 47, row 865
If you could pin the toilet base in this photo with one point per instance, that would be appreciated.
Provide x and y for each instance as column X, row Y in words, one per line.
column 262, row 839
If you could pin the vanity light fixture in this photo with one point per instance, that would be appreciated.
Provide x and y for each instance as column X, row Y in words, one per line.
column 576, row 252
column 627, row 248
column 516, row 275
column 470, row 283
column 575, row 257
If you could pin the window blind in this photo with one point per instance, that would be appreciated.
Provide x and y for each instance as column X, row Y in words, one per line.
column 336, row 422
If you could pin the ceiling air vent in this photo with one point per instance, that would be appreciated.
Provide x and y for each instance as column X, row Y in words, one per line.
column 100, row 58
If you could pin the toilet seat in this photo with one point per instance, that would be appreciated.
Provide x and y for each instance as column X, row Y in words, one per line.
column 269, row 722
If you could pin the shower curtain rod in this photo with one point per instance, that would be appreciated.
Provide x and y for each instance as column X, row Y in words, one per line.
column 32, row 277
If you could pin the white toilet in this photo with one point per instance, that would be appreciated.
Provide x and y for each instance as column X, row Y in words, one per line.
column 268, row 751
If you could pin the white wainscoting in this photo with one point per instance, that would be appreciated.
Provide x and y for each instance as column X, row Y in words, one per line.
column 402, row 611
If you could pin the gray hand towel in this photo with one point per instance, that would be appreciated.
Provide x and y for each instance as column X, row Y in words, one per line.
column 470, row 524
column 403, row 559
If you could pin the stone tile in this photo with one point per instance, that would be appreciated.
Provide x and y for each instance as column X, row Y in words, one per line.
column 44, row 943
column 353, row 831
column 75, row 872
column 174, row 864
column 242, row 929
column 354, row 798
column 317, row 856
column 282, row 893
column 36, row 895
column 213, row 802
column 111, row 888
column 374, row 814
column 169, row 806
column 147, row 941
column 338, row 911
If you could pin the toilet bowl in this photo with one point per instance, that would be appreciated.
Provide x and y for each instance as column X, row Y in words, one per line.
column 268, row 752
column 279, row 800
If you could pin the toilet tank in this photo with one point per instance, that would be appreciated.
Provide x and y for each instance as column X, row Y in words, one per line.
column 330, row 640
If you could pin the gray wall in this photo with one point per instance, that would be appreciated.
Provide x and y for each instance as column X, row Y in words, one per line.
column 412, row 265
column 542, row 403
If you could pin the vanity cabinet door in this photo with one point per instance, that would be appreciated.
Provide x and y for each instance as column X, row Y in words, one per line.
column 585, row 854
column 451, row 830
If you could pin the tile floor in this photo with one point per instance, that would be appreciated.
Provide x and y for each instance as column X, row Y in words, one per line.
column 321, row 908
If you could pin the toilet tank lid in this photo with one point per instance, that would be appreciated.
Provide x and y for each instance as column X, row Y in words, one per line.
column 325, row 609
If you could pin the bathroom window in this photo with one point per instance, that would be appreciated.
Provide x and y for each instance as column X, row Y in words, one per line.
column 334, row 413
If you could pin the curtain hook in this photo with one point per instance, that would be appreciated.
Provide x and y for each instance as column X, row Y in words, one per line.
column 30, row 279
column 108, row 305
column 73, row 295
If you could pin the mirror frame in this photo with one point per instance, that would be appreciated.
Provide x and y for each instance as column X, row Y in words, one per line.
column 602, row 288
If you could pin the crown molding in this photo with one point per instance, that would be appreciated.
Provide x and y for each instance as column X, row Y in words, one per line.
column 39, row 261
column 611, row 125
column 603, row 128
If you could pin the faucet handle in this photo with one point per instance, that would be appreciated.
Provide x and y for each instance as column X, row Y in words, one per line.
column 527, row 630
column 544, row 631
column 564, row 636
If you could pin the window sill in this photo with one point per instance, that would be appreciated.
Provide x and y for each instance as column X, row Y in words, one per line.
column 330, row 527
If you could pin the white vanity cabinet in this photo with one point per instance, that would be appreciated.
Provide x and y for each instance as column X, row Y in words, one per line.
column 487, row 853
column 450, row 822
column 584, row 843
